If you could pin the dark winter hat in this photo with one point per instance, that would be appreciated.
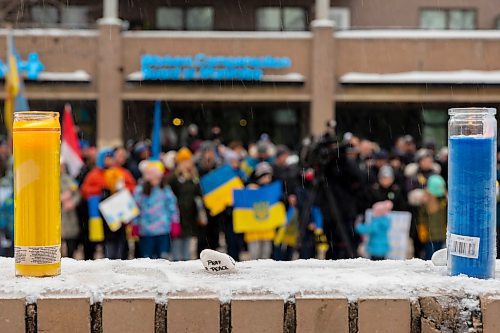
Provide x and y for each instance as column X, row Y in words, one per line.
column 282, row 149
column 381, row 155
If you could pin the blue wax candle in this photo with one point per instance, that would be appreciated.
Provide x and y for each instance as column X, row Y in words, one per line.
column 472, row 206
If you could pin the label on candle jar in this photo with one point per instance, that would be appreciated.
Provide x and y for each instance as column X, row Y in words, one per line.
column 37, row 255
column 464, row 246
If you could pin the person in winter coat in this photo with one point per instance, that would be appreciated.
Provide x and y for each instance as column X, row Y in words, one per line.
column 387, row 189
column 186, row 186
column 377, row 230
column 260, row 242
column 432, row 216
column 70, row 197
column 158, row 211
column 102, row 181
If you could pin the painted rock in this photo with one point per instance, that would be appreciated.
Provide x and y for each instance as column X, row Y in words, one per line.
column 440, row 257
column 217, row 262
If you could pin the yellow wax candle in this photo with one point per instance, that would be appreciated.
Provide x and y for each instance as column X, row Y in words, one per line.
column 37, row 206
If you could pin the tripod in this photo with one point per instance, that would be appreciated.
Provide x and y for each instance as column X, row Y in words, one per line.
column 319, row 187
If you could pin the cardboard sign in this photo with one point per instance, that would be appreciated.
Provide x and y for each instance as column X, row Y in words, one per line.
column 398, row 233
column 118, row 209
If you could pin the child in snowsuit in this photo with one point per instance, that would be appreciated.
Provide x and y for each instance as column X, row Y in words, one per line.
column 377, row 230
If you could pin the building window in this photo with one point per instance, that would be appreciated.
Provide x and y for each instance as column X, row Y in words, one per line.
column 453, row 19
column 45, row 15
column 497, row 23
column 191, row 18
column 75, row 16
column 281, row 19
column 341, row 18
column 200, row 18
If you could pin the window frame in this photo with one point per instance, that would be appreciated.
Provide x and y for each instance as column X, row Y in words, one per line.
column 282, row 17
column 447, row 11
column 184, row 14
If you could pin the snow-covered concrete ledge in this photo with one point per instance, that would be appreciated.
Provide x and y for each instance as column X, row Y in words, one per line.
column 262, row 296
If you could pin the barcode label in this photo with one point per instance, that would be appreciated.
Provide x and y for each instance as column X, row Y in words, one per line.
column 464, row 246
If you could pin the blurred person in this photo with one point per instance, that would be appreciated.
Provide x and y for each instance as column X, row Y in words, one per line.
column 193, row 140
column 238, row 148
column 312, row 226
column 366, row 150
column 94, row 184
column 282, row 171
column 158, row 211
column 387, row 189
column 234, row 241
column 379, row 159
column 397, row 166
column 409, row 149
column 442, row 160
column 70, row 198
column 139, row 153
column 432, row 218
column 260, row 243
column 208, row 237
column 417, row 175
column 185, row 184
column 286, row 238
column 377, row 230
column 259, row 152
column 7, row 212
column 119, row 178
column 4, row 156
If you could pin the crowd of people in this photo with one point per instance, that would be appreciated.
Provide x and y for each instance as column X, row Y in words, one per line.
column 326, row 199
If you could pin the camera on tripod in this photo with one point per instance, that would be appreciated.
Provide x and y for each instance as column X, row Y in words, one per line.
column 318, row 152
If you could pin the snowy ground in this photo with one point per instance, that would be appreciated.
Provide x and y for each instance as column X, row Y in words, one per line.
column 350, row 278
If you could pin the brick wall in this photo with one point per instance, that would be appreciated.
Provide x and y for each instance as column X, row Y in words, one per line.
column 251, row 313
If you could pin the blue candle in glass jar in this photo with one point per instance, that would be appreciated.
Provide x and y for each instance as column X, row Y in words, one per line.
column 471, row 238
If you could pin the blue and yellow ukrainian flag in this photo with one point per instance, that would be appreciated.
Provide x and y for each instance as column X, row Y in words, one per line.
column 15, row 100
column 217, row 187
column 258, row 209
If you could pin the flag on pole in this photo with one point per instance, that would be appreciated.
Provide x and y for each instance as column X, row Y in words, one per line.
column 70, row 147
column 15, row 99
column 156, row 135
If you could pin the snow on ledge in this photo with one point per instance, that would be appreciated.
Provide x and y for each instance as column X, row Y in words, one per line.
column 218, row 34
column 418, row 34
column 76, row 76
column 351, row 278
column 53, row 32
column 444, row 77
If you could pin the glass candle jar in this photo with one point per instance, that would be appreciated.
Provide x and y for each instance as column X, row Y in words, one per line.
column 37, row 204
column 471, row 237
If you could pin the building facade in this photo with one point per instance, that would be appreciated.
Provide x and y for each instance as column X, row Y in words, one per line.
column 380, row 68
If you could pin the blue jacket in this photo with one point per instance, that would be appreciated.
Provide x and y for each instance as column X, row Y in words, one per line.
column 157, row 211
column 377, row 231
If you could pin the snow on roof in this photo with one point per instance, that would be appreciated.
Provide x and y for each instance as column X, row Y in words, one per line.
column 418, row 34
column 218, row 34
column 76, row 76
column 290, row 77
column 443, row 77
column 51, row 32
column 350, row 278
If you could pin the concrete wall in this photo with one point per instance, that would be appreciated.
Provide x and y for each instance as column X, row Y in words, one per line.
column 251, row 313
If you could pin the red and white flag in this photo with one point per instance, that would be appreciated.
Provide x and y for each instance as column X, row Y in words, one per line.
column 70, row 147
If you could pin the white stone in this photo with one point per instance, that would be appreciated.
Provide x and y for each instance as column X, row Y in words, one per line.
column 440, row 257
column 217, row 262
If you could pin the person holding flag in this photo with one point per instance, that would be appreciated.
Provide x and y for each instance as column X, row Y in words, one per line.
column 15, row 99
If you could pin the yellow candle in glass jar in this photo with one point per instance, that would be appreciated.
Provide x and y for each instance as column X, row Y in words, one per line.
column 37, row 207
